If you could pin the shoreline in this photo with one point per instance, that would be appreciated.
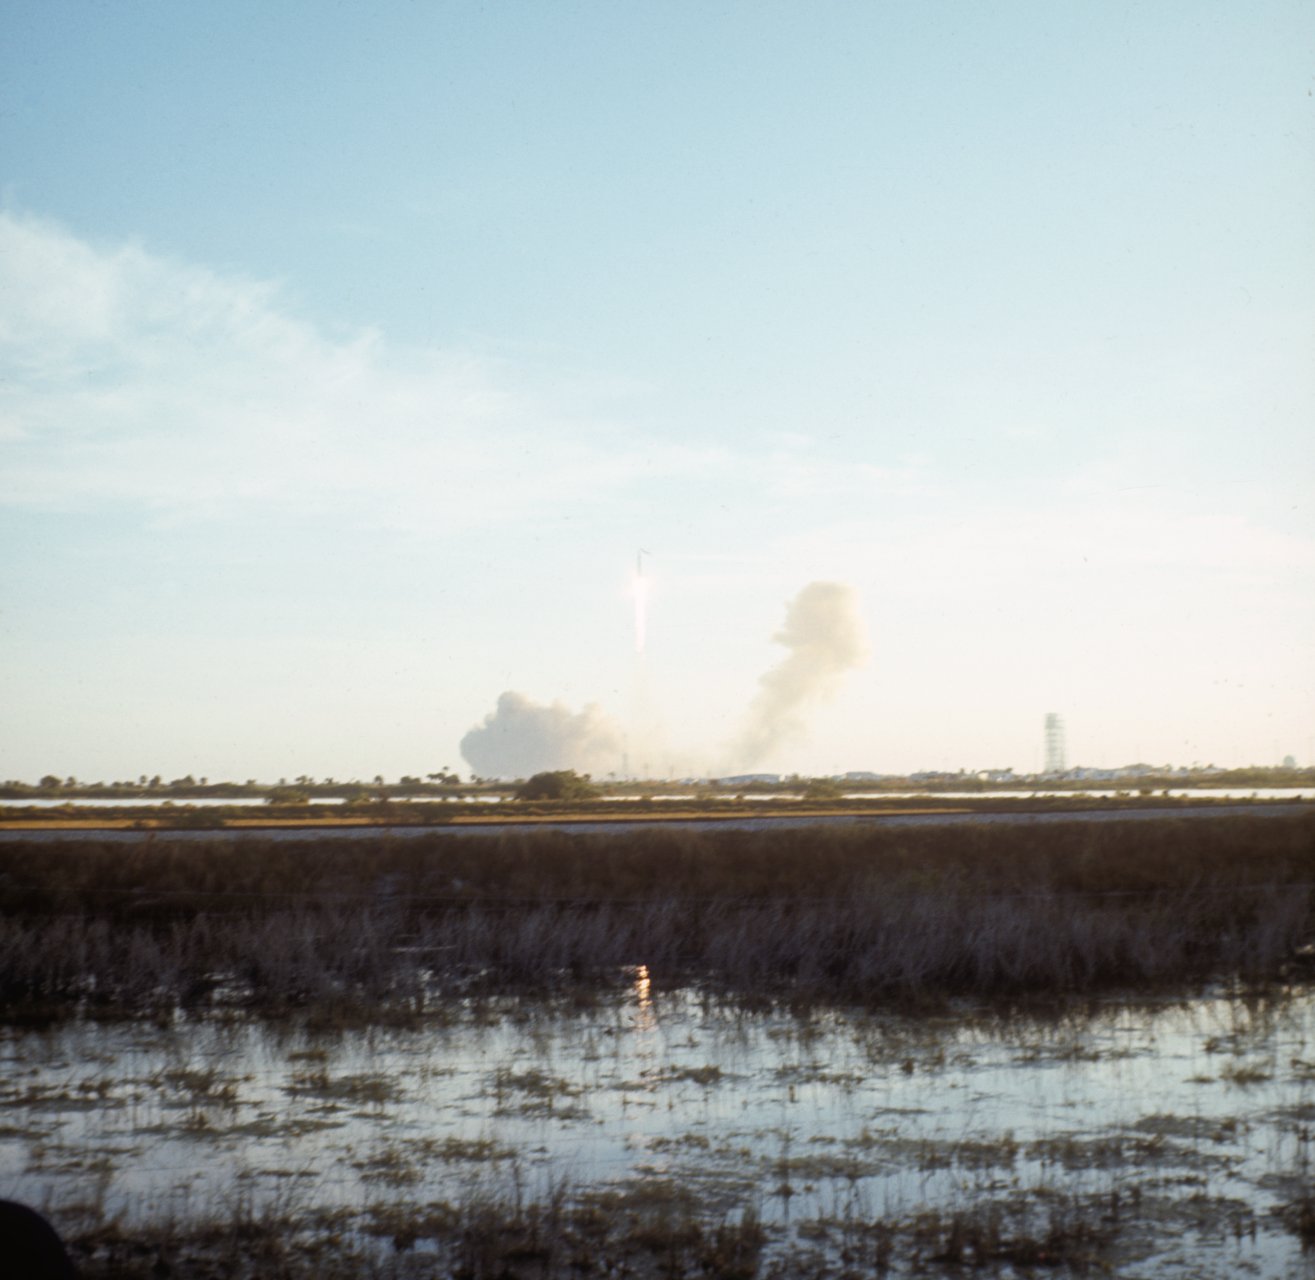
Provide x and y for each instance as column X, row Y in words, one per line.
column 195, row 821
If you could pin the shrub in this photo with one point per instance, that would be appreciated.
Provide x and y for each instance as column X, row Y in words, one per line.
column 558, row 784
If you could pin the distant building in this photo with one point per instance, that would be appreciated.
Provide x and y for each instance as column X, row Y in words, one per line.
column 1056, row 754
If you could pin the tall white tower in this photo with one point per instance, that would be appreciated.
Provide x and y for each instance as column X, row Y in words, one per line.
column 1055, row 754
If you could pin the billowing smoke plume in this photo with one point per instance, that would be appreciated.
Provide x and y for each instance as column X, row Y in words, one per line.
column 825, row 638
column 522, row 738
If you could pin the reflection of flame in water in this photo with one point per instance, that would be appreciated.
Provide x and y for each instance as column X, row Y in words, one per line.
column 646, row 1019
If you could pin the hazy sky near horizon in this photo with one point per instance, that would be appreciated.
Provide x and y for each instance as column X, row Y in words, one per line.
column 349, row 353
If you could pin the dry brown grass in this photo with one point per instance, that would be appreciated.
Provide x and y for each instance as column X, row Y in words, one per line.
column 860, row 912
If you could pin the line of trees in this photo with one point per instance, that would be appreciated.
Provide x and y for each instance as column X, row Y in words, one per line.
column 567, row 784
column 146, row 786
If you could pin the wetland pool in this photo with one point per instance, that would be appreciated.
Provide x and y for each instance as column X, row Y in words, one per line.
column 1176, row 1135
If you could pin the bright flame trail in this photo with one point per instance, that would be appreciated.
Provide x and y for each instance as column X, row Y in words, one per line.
column 639, row 590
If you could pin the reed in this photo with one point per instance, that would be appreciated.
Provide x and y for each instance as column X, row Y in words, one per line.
column 483, row 1236
column 853, row 913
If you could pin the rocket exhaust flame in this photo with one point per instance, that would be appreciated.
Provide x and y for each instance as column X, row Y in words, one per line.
column 639, row 590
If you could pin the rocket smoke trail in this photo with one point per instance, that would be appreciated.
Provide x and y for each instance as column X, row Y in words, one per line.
column 825, row 638
column 640, row 591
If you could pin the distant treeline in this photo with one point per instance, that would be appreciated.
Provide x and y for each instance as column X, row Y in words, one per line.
column 445, row 784
column 51, row 787
column 970, row 781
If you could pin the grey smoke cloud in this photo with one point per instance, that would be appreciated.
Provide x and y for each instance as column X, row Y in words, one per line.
column 826, row 639
column 522, row 737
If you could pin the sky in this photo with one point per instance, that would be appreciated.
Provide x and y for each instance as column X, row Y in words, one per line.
column 349, row 355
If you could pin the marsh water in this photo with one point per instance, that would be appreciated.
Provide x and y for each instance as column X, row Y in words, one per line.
column 778, row 822
column 1184, row 1127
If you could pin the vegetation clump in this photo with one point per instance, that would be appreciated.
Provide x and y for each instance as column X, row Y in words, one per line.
column 640, row 1233
column 823, row 789
column 287, row 796
column 558, row 784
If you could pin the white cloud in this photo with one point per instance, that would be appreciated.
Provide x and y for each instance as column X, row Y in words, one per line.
column 132, row 379
column 189, row 395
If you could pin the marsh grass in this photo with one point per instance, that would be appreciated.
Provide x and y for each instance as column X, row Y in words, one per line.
column 200, row 1085
column 703, row 1076
column 1300, row 1216
column 649, row 1233
column 647, row 1230
column 1064, row 1234
column 535, row 1093
column 380, row 928
column 362, row 1089
column 240, row 1243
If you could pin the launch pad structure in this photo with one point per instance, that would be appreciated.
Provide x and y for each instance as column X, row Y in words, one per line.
column 1056, row 755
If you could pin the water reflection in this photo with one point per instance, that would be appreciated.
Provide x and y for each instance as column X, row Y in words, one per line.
column 642, row 988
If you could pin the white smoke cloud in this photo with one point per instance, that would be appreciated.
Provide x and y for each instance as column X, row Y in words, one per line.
column 523, row 737
column 825, row 638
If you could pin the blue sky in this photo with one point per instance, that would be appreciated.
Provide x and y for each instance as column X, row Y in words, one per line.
column 349, row 353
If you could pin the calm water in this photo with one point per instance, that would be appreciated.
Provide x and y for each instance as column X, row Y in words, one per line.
column 1177, row 793
column 1198, row 1114
column 781, row 823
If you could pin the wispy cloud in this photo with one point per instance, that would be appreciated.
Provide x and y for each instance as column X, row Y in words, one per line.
column 129, row 378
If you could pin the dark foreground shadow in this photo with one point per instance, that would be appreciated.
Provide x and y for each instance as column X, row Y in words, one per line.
column 30, row 1248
